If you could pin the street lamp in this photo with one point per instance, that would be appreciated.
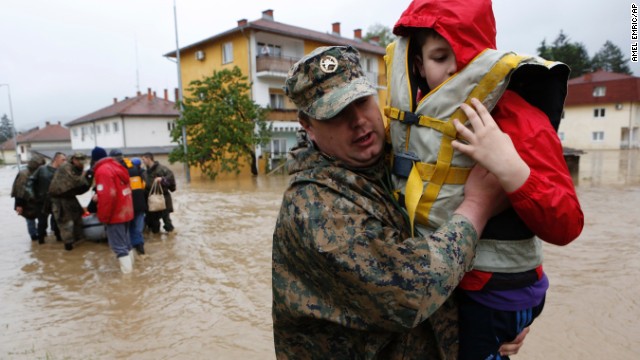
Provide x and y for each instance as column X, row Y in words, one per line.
column 13, row 125
column 187, row 170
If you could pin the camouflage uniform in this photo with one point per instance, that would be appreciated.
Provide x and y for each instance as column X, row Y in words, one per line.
column 68, row 181
column 348, row 282
column 23, row 198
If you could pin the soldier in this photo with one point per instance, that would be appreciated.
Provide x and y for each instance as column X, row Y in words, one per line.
column 68, row 182
column 348, row 280
column 38, row 185
column 24, row 204
column 162, row 175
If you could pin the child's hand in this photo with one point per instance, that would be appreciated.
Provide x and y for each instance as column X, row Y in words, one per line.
column 490, row 147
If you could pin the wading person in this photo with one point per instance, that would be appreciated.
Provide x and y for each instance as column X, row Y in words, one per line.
column 449, row 60
column 38, row 184
column 348, row 280
column 68, row 182
column 163, row 176
column 25, row 205
column 114, row 205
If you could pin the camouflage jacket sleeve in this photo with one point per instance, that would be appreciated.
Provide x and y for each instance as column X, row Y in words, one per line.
column 334, row 260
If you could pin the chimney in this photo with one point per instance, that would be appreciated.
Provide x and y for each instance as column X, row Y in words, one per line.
column 357, row 34
column 242, row 23
column 375, row 40
column 587, row 77
column 149, row 94
column 177, row 95
column 335, row 28
column 115, row 100
column 139, row 93
column 166, row 94
column 154, row 94
column 46, row 123
column 59, row 123
column 267, row 15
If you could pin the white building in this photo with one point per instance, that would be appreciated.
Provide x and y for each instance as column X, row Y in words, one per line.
column 602, row 111
column 133, row 125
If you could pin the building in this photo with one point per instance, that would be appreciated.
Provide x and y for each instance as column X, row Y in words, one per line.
column 602, row 111
column 134, row 125
column 46, row 142
column 265, row 50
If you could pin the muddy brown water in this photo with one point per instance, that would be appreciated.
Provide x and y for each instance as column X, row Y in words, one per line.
column 204, row 292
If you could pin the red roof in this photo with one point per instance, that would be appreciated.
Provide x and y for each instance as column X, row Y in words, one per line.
column 618, row 88
column 50, row 133
column 141, row 105
column 294, row 31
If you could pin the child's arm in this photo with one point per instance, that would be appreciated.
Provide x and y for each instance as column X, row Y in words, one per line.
column 546, row 201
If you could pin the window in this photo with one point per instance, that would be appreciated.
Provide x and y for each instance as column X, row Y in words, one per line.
column 278, row 146
column 561, row 135
column 227, row 53
column 98, row 129
column 171, row 125
column 597, row 136
column 276, row 101
column 115, row 127
column 269, row 49
column 75, row 132
column 107, row 129
column 599, row 112
column 599, row 91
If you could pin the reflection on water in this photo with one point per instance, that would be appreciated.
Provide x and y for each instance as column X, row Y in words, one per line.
column 205, row 290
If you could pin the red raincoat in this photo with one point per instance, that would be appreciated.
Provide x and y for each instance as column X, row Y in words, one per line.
column 115, row 203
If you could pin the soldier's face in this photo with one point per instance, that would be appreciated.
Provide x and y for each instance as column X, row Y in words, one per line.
column 354, row 136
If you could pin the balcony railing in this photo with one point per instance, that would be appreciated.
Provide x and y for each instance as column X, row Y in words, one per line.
column 278, row 64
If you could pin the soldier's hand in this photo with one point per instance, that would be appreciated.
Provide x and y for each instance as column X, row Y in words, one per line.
column 19, row 210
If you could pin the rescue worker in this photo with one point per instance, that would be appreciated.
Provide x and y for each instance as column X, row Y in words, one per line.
column 115, row 206
column 137, row 184
column 348, row 281
column 68, row 182
column 163, row 176
column 25, row 205
column 38, row 185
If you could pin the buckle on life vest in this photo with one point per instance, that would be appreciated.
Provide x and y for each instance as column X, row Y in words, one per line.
column 403, row 162
column 410, row 118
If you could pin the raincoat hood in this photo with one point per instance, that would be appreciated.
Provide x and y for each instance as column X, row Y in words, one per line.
column 468, row 25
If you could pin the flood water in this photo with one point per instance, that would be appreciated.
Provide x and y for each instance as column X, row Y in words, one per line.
column 204, row 291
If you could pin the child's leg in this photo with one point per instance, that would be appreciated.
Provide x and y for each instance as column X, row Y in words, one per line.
column 483, row 330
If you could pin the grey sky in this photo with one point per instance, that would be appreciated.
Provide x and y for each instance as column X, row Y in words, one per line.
column 66, row 58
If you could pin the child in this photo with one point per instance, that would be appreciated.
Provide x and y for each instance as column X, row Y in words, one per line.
column 440, row 61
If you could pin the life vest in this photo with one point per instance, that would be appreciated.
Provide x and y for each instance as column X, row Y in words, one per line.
column 428, row 174
column 135, row 180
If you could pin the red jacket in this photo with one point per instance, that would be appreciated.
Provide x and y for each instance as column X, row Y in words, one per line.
column 115, row 203
column 547, row 202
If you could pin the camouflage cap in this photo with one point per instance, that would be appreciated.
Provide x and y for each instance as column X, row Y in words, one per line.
column 79, row 155
column 325, row 81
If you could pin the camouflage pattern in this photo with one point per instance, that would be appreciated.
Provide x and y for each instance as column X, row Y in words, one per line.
column 19, row 191
column 68, row 181
column 348, row 282
column 325, row 81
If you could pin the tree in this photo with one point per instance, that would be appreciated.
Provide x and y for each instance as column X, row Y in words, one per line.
column 573, row 54
column 223, row 124
column 384, row 34
column 610, row 58
column 6, row 128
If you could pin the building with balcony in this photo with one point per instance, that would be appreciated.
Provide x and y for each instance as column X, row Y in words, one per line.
column 602, row 111
column 265, row 50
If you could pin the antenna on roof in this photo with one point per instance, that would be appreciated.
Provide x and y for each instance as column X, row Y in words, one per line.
column 137, row 66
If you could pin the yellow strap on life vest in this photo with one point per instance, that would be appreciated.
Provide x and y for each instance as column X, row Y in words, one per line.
column 456, row 175
column 421, row 209
column 136, row 183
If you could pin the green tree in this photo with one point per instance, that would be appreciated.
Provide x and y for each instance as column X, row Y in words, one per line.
column 384, row 33
column 573, row 54
column 610, row 58
column 6, row 128
column 223, row 124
